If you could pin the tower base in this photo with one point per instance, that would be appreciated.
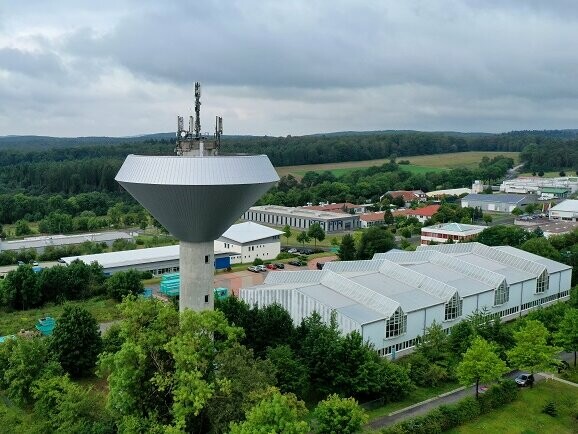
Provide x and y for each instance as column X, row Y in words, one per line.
column 197, row 273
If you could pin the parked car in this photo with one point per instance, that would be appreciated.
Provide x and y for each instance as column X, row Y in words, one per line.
column 35, row 263
column 280, row 265
column 297, row 263
column 271, row 266
column 306, row 251
column 254, row 268
column 20, row 263
column 261, row 267
column 293, row 250
column 320, row 265
column 524, row 380
column 61, row 261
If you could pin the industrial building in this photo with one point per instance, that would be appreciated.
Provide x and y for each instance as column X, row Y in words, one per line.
column 301, row 218
column 497, row 202
column 444, row 232
column 448, row 192
column 242, row 242
column 566, row 210
column 41, row 243
column 391, row 299
column 539, row 185
column 345, row 207
column 422, row 214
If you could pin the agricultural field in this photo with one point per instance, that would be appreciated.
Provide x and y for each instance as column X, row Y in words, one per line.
column 525, row 414
column 418, row 164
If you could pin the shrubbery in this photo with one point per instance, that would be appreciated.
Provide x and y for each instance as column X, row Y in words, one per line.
column 446, row 417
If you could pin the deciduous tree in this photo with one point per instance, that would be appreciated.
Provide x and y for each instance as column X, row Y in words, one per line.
column 316, row 232
column 287, row 233
column 480, row 364
column 124, row 283
column 374, row 240
column 347, row 248
column 338, row 415
column 567, row 335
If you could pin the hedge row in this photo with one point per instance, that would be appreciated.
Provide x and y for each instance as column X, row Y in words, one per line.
column 446, row 417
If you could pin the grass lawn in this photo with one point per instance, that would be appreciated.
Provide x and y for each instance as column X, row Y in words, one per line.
column 570, row 374
column 418, row 395
column 525, row 414
column 419, row 164
column 13, row 322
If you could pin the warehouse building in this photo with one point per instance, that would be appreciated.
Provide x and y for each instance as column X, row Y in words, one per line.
column 301, row 218
column 241, row 243
column 497, row 202
column 42, row 242
column 566, row 210
column 444, row 232
column 391, row 299
column 538, row 185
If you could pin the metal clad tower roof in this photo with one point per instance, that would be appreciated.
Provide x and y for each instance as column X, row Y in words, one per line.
column 197, row 198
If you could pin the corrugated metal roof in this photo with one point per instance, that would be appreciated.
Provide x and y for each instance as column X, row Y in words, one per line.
column 62, row 240
column 551, row 265
column 568, row 205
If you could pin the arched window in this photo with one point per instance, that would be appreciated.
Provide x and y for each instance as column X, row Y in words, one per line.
column 502, row 294
column 396, row 325
column 543, row 282
column 453, row 308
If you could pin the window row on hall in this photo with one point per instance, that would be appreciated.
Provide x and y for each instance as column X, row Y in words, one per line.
column 543, row 300
column 398, row 347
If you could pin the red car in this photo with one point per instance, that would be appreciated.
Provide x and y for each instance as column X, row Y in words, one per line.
column 271, row 266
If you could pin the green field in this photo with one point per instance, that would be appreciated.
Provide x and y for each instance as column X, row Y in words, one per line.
column 525, row 414
column 10, row 323
column 418, row 164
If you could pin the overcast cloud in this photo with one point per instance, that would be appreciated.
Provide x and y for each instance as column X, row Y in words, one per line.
column 127, row 67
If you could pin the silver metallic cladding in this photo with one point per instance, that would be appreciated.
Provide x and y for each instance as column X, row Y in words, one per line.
column 197, row 198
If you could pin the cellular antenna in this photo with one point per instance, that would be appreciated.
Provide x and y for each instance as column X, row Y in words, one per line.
column 193, row 142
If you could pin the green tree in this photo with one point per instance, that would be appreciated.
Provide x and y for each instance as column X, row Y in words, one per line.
column 541, row 247
column 22, row 228
column 567, row 335
column 501, row 235
column 532, row 352
column 275, row 414
column 287, row 233
column 480, row 364
column 290, row 372
column 76, row 341
column 245, row 376
column 347, row 248
column 374, row 240
column 316, row 232
column 21, row 289
column 487, row 219
column 338, row 415
column 517, row 211
column 22, row 362
column 303, row 238
column 124, row 283
column 388, row 217
column 65, row 407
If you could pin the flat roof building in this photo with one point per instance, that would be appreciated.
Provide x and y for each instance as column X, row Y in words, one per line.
column 444, row 232
column 497, row 202
column 42, row 242
column 391, row 299
column 301, row 218
column 566, row 210
column 537, row 185
column 448, row 192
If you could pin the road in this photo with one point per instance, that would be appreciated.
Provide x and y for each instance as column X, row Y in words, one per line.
column 445, row 399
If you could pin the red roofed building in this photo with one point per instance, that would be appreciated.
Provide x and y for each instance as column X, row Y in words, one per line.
column 408, row 196
column 422, row 214
column 371, row 219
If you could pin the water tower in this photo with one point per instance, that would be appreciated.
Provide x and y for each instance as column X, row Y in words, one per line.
column 197, row 195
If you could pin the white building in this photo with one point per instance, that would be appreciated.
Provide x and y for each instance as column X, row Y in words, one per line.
column 566, row 210
column 242, row 242
column 445, row 232
column 250, row 240
column 535, row 184
column 391, row 299
column 42, row 242
column 448, row 192
column 301, row 218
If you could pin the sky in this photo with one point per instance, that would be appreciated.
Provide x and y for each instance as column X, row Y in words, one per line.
column 126, row 67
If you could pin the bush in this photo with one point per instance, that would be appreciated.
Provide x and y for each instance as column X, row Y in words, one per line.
column 285, row 255
column 258, row 261
column 550, row 409
column 450, row 416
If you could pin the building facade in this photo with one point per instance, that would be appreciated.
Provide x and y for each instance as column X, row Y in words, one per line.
column 497, row 202
column 393, row 298
column 300, row 218
column 250, row 241
column 444, row 232
column 537, row 185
